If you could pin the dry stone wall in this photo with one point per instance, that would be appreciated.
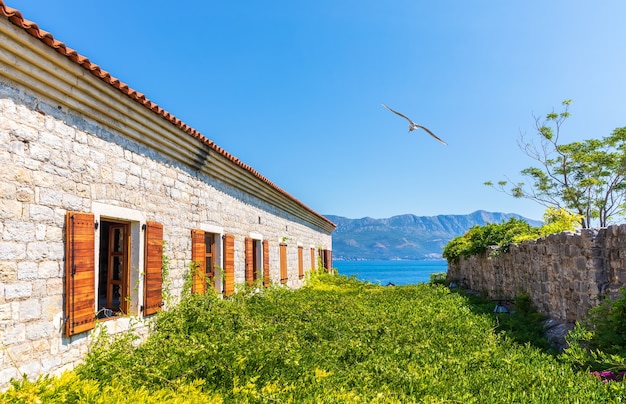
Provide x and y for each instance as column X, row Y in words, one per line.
column 564, row 274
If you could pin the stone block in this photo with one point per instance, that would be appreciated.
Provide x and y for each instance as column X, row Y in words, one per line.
column 54, row 286
column 52, row 307
column 40, row 331
column 39, row 152
column 11, row 209
column 48, row 364
column 40, row 213
column 8, row 271
column 26, row 270
column 5, row 313
column 49, row 269
column 25, row 133
column 29, row 310
column 17, row 291
column 14, row 334
column 19, row 231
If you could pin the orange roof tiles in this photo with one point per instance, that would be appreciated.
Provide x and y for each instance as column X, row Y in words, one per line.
column 15, row 16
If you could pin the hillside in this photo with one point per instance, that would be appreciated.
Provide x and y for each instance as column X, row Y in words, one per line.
column 405, row 236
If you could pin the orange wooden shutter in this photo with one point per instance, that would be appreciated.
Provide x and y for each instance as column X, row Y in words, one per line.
column 266, row 263
column 249, row 270
column 313, row 259
column 229, row 264
column 300, row 263
column 198, row 261
column 80, row 293
column 283, row 264
column 153, row 273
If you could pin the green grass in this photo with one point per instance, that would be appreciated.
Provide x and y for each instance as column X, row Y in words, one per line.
column 335, row 341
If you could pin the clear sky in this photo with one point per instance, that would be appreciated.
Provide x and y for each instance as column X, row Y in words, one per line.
column 294, row 88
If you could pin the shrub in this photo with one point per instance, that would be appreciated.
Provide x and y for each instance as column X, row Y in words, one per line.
column 500, row 236
column 599, row 343
column 335, row 340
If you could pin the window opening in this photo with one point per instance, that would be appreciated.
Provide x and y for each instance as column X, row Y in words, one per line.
column 209, row 247
column 113, row 273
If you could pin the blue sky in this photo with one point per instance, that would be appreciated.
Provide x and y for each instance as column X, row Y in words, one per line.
column 294, row 88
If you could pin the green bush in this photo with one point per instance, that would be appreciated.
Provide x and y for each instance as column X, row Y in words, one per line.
column 499, row 236
column 336, row 340
column 599, row 342
column 479, row 239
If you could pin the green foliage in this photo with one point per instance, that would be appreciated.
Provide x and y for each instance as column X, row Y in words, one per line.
column 336, row 340
column 500, row 236
column 71, row 388
column 599, row 342
column 608, row 322
column 166, row 292
column 438, row 278
column 479, row 239
column 586, row 177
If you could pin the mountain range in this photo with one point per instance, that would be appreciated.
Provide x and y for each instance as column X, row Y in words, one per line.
column 405, row 237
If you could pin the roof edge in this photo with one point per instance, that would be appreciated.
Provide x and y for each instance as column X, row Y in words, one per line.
column 17, row 19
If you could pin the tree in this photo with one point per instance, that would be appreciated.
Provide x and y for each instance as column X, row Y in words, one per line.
column 585, row 177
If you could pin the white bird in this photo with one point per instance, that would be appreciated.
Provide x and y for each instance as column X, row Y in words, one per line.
column 413, row 125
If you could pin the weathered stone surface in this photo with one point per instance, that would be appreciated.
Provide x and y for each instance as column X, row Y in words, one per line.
column 570, row 272
column 62, row 161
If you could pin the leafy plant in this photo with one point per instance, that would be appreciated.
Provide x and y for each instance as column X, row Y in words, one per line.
column 599, row 343
column 334, row 340
column 498, row 237
column 586, row 177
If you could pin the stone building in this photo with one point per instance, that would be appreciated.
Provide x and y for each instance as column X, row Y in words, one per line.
column 108, row 203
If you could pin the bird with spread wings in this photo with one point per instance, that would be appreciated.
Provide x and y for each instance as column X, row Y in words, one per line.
column 413, row 125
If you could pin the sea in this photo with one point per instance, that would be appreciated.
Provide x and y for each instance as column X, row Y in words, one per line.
column 397, row 272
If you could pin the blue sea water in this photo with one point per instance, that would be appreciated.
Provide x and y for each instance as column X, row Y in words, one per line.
column 396, row 272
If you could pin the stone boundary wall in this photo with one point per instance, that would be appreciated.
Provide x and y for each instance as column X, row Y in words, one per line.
column 564, row 274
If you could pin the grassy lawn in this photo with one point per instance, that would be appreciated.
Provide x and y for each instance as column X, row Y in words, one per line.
column 335, row 341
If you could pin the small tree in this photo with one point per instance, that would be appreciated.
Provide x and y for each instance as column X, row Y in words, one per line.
column 586, row 177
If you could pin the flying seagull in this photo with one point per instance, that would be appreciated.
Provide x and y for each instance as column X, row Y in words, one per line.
column 413, row 125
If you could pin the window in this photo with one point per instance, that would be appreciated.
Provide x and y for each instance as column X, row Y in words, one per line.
column 101, row 287
column 327, row 260
column 203, row 256
column 283, row 264
column 113, row 273
column 254, row 259
column 313, row 266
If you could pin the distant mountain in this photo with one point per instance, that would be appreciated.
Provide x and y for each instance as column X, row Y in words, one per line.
column 405, row 237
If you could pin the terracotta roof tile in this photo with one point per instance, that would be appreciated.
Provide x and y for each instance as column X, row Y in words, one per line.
column 15, row 16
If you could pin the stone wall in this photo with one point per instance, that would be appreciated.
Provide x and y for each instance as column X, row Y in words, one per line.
column 564, row 274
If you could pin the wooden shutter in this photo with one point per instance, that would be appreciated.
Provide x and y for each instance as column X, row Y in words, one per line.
column 266, row 263
column 300, row 263
column 313, row 259
column 80, row 290
column 249, row 269
column 283, row 264
column 153, row 272
column 198, row 257
column 229, row 264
